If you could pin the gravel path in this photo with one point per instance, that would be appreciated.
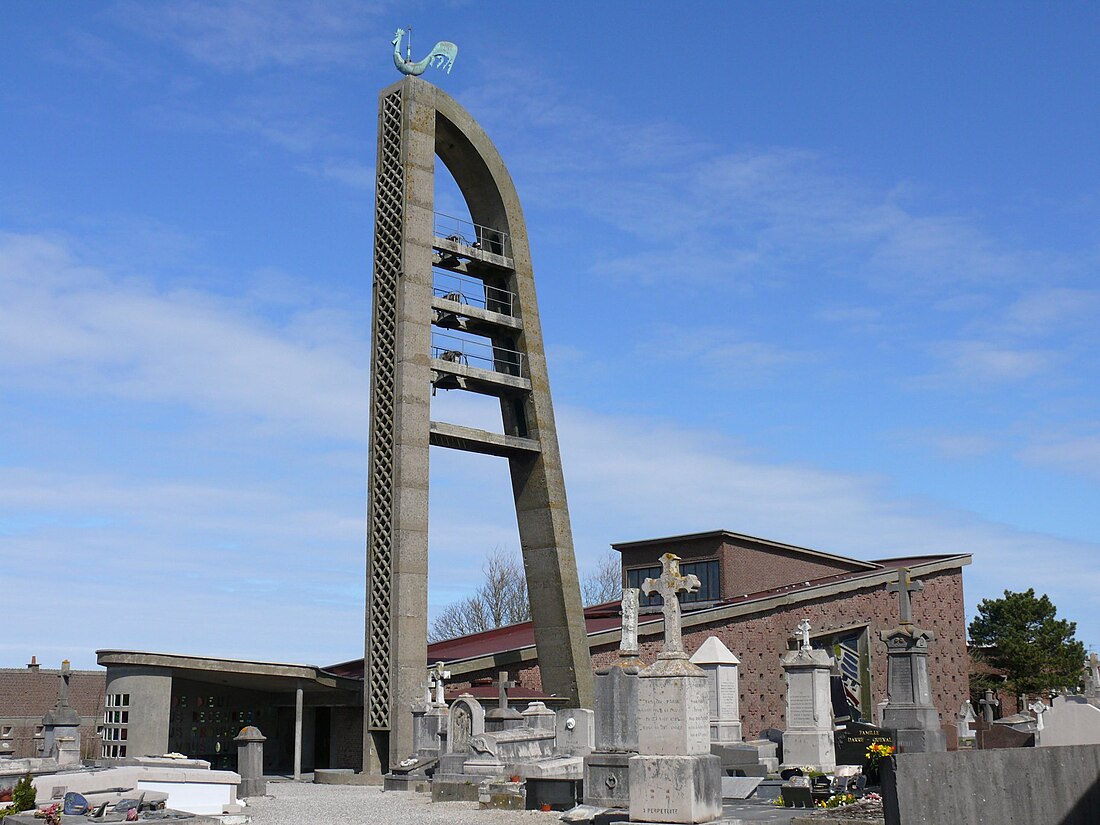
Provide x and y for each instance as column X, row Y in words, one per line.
column 293, row 803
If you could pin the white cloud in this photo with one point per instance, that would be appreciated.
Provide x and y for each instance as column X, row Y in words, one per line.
column 249, row 35
column 75, row 328
column 1079, row 455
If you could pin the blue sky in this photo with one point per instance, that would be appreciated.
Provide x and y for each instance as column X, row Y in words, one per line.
column 823, row 273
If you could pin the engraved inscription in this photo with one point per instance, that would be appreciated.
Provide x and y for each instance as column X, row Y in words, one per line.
column 901, row 683
column 801, row 710
column 728, row 700
column 674, row 717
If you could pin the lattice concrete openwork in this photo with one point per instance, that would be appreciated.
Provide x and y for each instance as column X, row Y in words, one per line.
column 454, row 309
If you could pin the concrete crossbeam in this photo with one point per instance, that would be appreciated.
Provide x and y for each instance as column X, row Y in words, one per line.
column 472, row 440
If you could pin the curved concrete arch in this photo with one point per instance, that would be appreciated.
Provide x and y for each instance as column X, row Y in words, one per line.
column 418, row 123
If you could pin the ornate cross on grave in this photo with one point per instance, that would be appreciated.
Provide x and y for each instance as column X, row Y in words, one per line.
column 903, row 587
column 988, row 703
column 803, row 630
column 668, row 585
column 628, row 644
column 502, row 686
column 437, row 674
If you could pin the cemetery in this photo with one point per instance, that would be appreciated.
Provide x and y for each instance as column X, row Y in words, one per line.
column 737, row 679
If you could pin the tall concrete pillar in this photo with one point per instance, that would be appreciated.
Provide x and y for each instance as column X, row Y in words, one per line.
column 417, row 123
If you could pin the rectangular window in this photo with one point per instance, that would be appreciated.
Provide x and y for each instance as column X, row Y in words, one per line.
column 707, row 571
column 6, row 731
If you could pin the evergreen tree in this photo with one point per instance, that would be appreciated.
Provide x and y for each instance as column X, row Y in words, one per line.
column 1021, row 635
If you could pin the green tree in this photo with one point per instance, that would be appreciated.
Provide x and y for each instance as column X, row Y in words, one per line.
column 1021, row 635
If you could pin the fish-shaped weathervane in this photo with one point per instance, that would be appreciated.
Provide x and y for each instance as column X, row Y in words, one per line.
column 442, row 55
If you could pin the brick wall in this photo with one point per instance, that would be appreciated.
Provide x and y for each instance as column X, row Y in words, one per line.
column 759, row 641
column 27, row 694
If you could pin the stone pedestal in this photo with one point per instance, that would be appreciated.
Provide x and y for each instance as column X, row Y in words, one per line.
column 909, row 710
column 250, row 762
column 429, row 729
column 808, row 739
column 537, row 715
column 674, row 778
column 606, row 775
column 720, row 665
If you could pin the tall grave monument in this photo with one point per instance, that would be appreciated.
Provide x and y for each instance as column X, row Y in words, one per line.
column 808, row 740
column 454, row 307
column 674, row 778
column 909, row 710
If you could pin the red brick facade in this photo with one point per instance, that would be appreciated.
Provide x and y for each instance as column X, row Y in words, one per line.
column 26, row 694
column 759, row 640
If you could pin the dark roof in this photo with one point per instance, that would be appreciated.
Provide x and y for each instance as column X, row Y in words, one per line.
column 742, row 537
column 29, row 692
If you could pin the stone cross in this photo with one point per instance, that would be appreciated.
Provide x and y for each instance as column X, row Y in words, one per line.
column 988, row 703
column 502, row 686
column 63, row 695
column 437, row 675
column 803, row 630
column 903, row 587
column 628, row 645
column 668, row 585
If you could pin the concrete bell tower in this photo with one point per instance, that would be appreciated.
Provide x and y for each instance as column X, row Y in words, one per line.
column 454, row 308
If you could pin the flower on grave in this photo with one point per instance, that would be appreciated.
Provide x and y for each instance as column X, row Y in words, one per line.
column 837, row 800
column 876, row 751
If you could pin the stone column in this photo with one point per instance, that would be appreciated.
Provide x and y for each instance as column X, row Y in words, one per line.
column 298, row 734
column 808, row 740
column 250, row 761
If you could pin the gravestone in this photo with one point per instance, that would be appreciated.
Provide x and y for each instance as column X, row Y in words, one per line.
column 503, row 717
column 1092, row 679
column 450, row 783
column 675, row 778
column 997, row 735
column 606, row 769
column 909, row 710
column 576, row 732
column 988, row 703
column 720, row 665
column 808, row 739
column 1070, row 720
column 852, row 743
column 61, row 726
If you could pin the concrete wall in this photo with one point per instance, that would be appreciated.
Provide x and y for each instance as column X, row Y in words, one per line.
column 1019, row 786
column 150, row 700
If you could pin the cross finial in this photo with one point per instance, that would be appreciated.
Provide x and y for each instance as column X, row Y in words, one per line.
column 668, row 585
column 903, row 587
column 803, row 630
column 63, row 694
column 628, row 644
column 502, row 686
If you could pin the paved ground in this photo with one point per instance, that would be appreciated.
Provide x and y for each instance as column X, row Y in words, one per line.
column 290, row 803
